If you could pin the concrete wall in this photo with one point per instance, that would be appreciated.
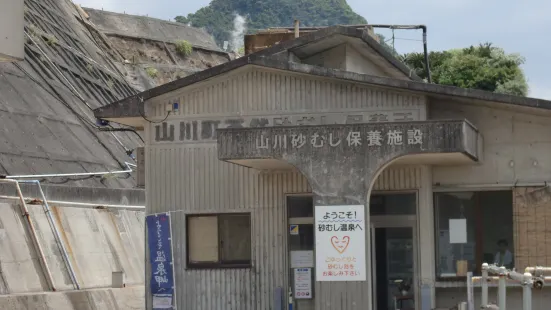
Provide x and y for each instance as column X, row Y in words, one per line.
column 11, row 30
column 149, row 28
column 334, row 58
column 98, row 241
column 516, row 145
column 355, row 62
column 130, row 298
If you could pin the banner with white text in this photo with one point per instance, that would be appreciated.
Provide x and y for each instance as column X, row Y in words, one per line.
column 160, row 257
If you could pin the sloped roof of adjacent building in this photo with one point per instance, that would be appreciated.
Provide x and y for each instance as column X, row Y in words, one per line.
column 47, row 100
column 125, row 25
column 277, row 57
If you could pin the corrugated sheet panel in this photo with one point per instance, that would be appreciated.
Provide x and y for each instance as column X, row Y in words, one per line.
column 398, row 178
column 191, row 179
column 259, row 90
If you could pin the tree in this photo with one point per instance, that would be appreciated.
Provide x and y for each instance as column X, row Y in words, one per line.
column 484, row 67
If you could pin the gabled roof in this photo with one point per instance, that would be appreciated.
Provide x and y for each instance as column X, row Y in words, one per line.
column 271, row 58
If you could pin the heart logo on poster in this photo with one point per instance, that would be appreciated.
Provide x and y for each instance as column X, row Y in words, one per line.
column 340, row 244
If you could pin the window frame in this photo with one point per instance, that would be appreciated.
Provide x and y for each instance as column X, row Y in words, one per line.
column 479, row 240
column 219, row 264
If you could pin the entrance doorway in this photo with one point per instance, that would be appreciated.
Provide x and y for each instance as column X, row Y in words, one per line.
column 393, row 265
column 394, row 251
column 393, row 219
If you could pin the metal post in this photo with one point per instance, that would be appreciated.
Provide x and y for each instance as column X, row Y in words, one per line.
column 527, row 292
column 502, row 290
column 57, row 236
column 470, row 293
column 484, row 285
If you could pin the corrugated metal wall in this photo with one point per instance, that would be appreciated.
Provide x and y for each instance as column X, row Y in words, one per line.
column 268, row 91
column 188, row 178
column 193, row 180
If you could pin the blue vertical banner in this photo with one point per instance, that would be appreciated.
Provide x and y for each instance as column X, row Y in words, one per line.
column 160, row 258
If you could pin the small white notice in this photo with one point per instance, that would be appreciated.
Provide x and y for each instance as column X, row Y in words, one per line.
column 340, row 243
column 303, row 283
column 458, row 231
column 162, row 301
column 302, row 259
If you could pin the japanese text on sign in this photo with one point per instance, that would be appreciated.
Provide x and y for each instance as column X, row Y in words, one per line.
column 160, row 253
column 303, row 283
column 372, row 138
column 340, row 243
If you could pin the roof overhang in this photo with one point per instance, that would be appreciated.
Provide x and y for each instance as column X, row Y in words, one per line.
column 130, row 111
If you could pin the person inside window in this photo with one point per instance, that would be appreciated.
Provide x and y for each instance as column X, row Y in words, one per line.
column 503, row 257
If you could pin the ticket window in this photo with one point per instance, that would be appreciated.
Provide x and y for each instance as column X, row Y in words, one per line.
column 300, row 211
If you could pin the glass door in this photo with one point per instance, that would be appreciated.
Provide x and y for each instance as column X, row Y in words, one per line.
column 394, row 263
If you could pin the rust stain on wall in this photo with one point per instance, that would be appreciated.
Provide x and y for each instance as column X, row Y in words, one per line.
column 58, row 218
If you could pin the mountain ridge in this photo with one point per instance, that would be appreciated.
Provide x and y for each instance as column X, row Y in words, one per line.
column 219, row 16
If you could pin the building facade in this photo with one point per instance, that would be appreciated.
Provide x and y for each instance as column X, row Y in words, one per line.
column 247, row 156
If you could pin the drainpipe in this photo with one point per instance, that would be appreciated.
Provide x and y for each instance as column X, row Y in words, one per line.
column 36, row 242
column 297, row 28
column 406, row 27
column 425, row 49
column 58, row 238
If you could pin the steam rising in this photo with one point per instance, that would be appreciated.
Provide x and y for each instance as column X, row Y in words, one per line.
column 238, row 32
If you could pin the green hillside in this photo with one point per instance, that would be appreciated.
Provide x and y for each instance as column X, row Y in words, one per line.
column 218, row 17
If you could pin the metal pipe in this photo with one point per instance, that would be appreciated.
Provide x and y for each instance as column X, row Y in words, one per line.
column 84, row 204
column 401, row 27
column 527, row 292
column 38, row 176
column 297, row 27
column 502, row 289
column 537, row 271
column 425, row 51
column 57, row 237
column 484, row 296
column 38, row 247
column 489, row 279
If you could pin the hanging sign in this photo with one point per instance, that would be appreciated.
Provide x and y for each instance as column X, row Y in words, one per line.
column 340, row 243
column 160, row 257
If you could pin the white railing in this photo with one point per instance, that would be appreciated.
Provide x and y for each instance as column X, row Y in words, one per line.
column 492, row 273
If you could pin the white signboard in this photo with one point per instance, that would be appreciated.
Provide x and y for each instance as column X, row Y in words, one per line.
column 300, row 259
column 340, row 243
column 303, row 283
column 458, row 231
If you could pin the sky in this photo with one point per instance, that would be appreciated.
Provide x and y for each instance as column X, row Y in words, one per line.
column 522, row 27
